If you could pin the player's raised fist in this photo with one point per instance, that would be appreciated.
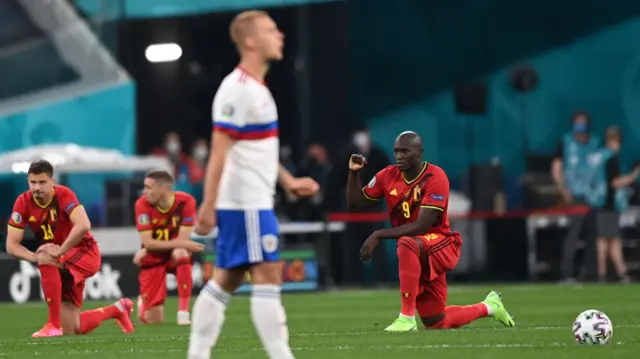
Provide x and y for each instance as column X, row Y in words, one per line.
column 356, row 162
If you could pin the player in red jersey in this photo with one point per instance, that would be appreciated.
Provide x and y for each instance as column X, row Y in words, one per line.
column 164, row 218
column 68, row 254
column 417, row 198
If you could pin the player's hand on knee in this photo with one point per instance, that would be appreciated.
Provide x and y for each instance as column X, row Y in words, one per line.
column 44, row 254
column 48, row 248
column 179, row 253
column 137, row 258
column 193, row 246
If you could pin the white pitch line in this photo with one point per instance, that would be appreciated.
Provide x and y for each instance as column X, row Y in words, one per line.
column 293, row 335
column 336, row 348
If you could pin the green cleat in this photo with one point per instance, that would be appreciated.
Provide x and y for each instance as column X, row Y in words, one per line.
column 402, row 324
column 494, row 300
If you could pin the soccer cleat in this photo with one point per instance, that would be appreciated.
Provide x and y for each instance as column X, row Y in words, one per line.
column 183, row 318
column 47, row 331
column 141, row 311
column 402, row 324
column 123, row 320
column 500, row 313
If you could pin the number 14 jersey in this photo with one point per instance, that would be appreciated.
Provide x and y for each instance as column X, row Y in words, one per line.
column 405, row 197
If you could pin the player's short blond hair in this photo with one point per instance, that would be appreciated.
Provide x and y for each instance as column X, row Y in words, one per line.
column 242, row 25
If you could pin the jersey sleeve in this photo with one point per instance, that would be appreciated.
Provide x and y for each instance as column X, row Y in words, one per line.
column 189, row 212
column 68, row 201
column 437, row 192
column 229, row 112
column 19, row 214
column 143, row 217
column 375, row 189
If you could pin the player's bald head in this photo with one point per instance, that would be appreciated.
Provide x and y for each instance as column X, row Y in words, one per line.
column 244, row 25
column 410, row 139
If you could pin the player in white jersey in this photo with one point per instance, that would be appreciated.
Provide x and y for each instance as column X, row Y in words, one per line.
column 241, row 177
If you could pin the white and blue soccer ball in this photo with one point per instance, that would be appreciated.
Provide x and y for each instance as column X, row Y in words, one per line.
column 593, row 327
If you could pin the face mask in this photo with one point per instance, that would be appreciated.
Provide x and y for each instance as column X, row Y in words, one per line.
column 173, row 147
column 579, row 127
column 361, row 140
column 200, row 153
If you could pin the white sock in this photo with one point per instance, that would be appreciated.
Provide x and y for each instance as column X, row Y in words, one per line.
column 270, row 321
column 489, row 309
column 208, row 317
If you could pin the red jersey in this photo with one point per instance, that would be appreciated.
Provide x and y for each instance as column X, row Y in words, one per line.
column 50, row 223
column 405, row 197
column 165, row 224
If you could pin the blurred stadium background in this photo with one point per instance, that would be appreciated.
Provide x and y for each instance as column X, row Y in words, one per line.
column 107, row 89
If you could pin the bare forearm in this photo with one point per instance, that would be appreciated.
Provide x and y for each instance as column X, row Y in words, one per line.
column 405, row 230
column 623, row 181
column 21, row 252
column 354, row 190
column 75, row 237
column 556, row 173
column 284, row 177
column 158, row 246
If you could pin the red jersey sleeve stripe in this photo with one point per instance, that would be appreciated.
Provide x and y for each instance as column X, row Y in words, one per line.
column 364, row 192
column 432, row 207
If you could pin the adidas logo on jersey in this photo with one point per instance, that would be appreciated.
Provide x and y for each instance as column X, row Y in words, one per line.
column 393, row 192
column 32, row 219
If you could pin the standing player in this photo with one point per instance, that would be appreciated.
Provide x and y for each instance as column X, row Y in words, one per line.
column 68, row 254
column 239, row 191
column 164, row 219
column 417, row 196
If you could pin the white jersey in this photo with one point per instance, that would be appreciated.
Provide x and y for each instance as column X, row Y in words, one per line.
column 245, row 109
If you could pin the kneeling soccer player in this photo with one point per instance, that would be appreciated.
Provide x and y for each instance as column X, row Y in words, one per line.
column 417, row 196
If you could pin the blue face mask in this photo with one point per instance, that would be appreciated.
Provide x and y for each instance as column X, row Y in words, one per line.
column 580, row 127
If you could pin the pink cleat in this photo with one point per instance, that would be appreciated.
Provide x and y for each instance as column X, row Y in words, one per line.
column 141, row 311
column 124, row 319
column 47, row 331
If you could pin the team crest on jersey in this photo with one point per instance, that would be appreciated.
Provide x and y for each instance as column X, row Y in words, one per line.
column 143, row 219
column 269, row 243
column 372, row 182
column 227, row 110
column 16, row 217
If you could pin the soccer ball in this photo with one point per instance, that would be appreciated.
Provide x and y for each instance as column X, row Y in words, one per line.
column 593, row 327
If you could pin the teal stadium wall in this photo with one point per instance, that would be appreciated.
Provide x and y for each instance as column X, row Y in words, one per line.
column 105, row 119
column 162, row 8
column 587, row 59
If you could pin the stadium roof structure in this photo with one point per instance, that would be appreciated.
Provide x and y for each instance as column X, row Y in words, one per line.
column 71, row 158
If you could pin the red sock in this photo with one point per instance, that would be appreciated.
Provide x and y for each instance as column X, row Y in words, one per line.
column 456, row 316
column 91, row 319
column 52, row 288
column 185, row 283
column 409, row 270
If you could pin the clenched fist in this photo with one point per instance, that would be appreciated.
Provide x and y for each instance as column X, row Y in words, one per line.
column 356, row 162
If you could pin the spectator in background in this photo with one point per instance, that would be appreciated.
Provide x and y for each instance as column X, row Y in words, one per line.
column 316, row 165
column 172, row 150
column 608, row 194
column 197, row 166
column 571, row 172
column 356, row 233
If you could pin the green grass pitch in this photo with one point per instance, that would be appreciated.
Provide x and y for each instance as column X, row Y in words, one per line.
column 348, row 324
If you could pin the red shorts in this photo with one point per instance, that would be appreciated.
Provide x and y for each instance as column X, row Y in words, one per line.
column 153, row 283
column 79, row 264
column 439, row 255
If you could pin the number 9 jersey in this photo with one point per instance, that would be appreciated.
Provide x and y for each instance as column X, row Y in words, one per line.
column 405, row 197
column 51, row 223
